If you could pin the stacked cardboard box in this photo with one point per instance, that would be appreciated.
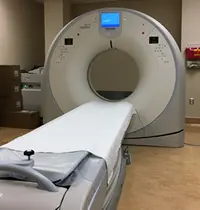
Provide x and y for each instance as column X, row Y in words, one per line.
column 21, row 119
column 11, row 102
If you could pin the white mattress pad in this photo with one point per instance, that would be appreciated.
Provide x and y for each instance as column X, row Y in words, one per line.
column 96, row 127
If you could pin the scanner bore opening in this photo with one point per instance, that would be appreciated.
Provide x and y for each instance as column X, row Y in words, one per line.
column 113, row 75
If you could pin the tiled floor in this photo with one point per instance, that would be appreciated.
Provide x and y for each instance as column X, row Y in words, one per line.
column 159, row 178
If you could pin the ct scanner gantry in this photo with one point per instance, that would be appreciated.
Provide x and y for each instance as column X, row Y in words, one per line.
column 159, row 97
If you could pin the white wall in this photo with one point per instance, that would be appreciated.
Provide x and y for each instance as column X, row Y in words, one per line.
column 53, row 20
column 22, row 33
column 57, row 14
column 191, row 35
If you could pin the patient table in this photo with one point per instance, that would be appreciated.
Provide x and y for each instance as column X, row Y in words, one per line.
column 60, row 168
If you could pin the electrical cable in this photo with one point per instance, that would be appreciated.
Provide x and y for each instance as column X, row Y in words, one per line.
column 111, row 44
column 192, row 145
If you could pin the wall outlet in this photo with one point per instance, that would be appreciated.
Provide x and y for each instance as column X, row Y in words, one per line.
column 191, row 101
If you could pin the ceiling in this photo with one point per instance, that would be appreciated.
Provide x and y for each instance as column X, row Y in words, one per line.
column 91, row 1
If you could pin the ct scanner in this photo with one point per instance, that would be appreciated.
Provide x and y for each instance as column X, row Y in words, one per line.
column 159, row 97
column 77, row 159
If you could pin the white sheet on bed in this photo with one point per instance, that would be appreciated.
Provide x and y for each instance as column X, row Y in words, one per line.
column 96, row 127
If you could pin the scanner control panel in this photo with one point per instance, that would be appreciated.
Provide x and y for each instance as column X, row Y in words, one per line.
column 110, row 24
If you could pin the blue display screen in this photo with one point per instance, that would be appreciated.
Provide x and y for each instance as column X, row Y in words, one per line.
column 110, row 19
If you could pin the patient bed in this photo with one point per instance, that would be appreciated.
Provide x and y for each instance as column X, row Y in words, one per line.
column 40, row 175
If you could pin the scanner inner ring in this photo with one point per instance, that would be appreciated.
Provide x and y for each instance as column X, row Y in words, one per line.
column 113, row 75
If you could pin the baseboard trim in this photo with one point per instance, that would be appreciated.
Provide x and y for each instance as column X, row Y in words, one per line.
column 192, row 120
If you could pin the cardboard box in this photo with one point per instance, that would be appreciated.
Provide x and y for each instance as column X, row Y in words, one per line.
column 22, row 119
column 9, row 88
column 11, row 104
column 10, row 73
